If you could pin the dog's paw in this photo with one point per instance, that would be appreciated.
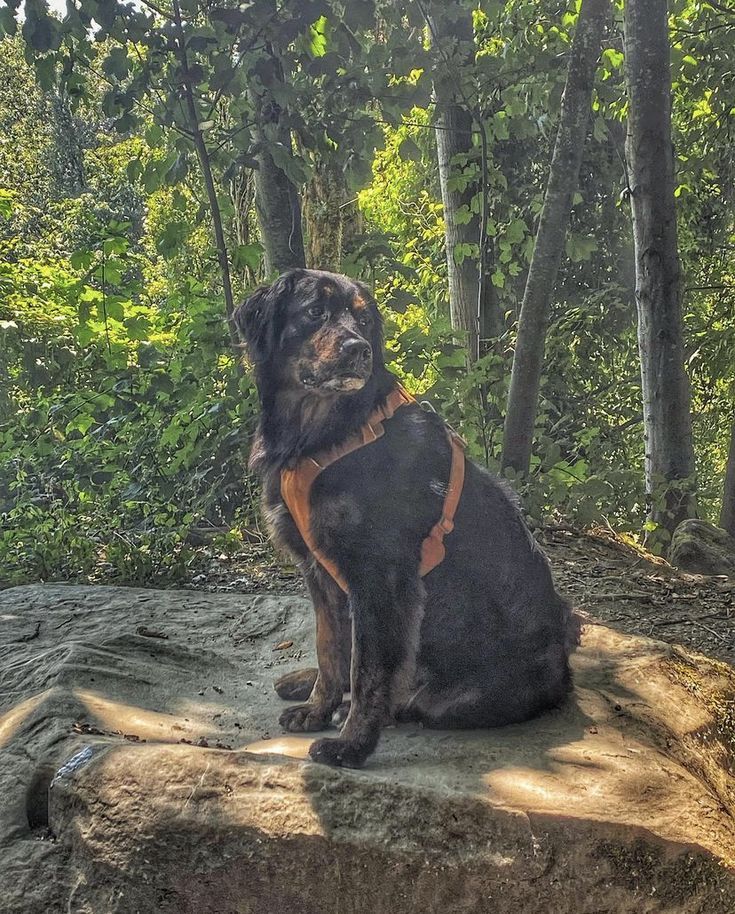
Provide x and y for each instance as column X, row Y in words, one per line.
column 305, row 718
column 296, row 686
column 337, row 752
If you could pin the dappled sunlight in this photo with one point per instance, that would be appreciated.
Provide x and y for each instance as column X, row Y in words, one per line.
column 290, row 746
column 12, row 720
column 126, row 719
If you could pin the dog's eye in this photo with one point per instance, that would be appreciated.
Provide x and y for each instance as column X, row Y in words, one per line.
column 316, row 311
column 362, row 321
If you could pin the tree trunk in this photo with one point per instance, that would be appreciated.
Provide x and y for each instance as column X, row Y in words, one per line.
column 277, row 202
column 327, row 216
column 205, row 165
column 669, row 460
column 727, row 515
column 551, row 234
column 242, row 194
column 455, row 43
column 453, row 137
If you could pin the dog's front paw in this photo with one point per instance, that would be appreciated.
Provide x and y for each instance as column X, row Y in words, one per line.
column 305, row 718
column 337, row 752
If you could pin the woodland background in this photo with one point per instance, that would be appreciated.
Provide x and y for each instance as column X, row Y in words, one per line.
column 159, row 160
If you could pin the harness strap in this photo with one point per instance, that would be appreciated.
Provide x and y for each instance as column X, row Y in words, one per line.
column 432, row 548
column 296, row 486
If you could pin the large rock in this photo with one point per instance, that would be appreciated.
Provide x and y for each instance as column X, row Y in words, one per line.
column 702, row 548
column 622, row 801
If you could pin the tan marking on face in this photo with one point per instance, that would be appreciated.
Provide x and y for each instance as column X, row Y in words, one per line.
column 359, row 303
column 326, row 345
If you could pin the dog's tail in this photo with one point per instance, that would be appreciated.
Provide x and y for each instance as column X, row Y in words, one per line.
column 574, row 624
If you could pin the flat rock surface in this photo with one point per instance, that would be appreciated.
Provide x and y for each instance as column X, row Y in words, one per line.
column 143, row 771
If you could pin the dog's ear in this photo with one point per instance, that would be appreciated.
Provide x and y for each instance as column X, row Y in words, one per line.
column 253, row 325
column 258, row 319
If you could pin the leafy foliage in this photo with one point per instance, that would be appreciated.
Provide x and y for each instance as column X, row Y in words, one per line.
column 124, row 421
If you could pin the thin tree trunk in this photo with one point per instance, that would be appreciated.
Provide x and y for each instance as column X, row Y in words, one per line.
column 208, row 178
column 727, row 515
column 242, row 194
column 277, row 202
column 551, row 234
column 669, row 460
column 454, row 40
column 453, row 138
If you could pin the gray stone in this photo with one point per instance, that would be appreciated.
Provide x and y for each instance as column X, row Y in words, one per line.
column 622, row 801
column 702, row 548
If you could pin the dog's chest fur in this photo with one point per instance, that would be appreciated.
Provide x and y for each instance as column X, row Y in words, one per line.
column 281, row 526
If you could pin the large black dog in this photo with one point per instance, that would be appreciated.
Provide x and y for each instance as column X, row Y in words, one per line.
column 483, row 639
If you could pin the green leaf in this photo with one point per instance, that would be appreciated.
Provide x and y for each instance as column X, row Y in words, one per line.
column 126, row 122
column 40, row 30
column 409, row 151
column 580, row 247
column 8, row 22
column 613, row 58
column 84, row 334
column 516, row 231
column 116, row 64
column 463, row 250
column 153, row 135
column 115, row 309
column 292, row 167
column 399, row 300
column 599, row 130
column 318, row 37
column 463, row 215
column 6, row 203
column 172, row 434
column 138, row 328
column 178, row 171
column 133, row 170
column 247, row 255
column 81, row 423
column 172, row 238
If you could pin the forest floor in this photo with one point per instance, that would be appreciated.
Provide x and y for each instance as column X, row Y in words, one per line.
column 604, row 576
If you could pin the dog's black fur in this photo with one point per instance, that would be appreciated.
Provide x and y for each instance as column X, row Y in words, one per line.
column 483, row 640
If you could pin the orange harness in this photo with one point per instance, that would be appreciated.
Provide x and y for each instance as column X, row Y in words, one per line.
column 296, row 487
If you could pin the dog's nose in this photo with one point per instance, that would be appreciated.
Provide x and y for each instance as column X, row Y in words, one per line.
column 356, row 350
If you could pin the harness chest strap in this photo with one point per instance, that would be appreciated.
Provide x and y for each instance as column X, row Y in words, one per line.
column 296, row 487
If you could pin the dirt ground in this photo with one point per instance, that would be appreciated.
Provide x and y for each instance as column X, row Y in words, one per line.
column 604, row 576
column 635, row 592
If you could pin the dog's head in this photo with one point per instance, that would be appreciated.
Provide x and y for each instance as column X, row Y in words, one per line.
column 313, row 331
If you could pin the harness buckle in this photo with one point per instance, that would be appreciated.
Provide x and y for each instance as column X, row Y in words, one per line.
column 445, row 525
column 369, row 434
